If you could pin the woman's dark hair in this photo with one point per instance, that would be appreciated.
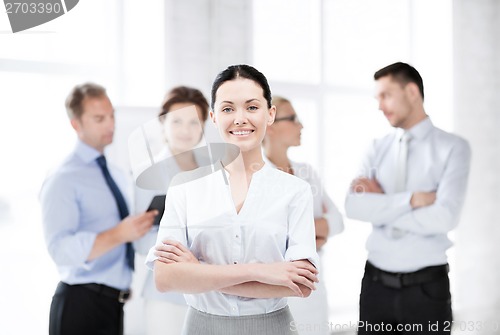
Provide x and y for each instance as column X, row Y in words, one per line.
column 403, row 74
column 242, row 71
column 184, row 94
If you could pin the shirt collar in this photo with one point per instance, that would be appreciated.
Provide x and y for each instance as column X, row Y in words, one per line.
column 86, row 152
column 418, row 131
column 267, row 161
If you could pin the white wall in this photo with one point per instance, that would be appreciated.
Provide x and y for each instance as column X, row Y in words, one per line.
column 477, row 117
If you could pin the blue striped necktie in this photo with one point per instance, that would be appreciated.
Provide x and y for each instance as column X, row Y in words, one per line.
column 120, row 202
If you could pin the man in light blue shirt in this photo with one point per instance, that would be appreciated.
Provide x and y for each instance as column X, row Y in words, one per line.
column 412, row 188
column 86, row 224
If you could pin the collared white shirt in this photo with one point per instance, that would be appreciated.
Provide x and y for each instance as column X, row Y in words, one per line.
column 77, row 205
column 437, row 161
column 275, row 224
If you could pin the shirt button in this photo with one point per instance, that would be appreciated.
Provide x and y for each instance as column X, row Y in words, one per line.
column 237, row 236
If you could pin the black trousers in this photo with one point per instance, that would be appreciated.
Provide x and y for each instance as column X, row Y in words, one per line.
column 416, row 309
column 76, row 310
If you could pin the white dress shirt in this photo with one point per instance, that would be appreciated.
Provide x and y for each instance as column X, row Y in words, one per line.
column 275, row 224
column 405, row 239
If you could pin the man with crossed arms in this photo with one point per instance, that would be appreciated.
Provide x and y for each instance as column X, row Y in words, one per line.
column 411, row 189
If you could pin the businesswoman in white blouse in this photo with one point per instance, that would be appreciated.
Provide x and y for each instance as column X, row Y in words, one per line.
column 238, row 237
column 311, row 314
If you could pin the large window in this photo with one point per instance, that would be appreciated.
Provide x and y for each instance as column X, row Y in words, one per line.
column 321, row 55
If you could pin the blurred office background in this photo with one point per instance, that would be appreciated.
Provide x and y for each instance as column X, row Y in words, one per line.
column 319, row 53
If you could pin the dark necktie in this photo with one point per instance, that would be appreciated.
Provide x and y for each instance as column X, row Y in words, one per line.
column 120, row 202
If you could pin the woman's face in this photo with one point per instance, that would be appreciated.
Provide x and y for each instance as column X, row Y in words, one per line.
column 241, row 114
column 183, row 127
column 287, row 127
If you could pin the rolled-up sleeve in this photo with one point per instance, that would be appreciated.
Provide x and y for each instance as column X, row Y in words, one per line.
column 330, row 212
column 60, row 217
column 301, row 231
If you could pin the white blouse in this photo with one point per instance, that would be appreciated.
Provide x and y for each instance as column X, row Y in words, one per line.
column 276, row 223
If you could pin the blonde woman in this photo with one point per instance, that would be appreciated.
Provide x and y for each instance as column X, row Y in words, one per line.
column 311, row 314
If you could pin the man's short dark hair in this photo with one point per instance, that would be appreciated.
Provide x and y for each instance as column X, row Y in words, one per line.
column 74, row 101
column 402, row 73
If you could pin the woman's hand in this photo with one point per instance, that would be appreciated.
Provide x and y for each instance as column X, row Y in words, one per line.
column 289, row 274
column 171, row 251
column 322, row 230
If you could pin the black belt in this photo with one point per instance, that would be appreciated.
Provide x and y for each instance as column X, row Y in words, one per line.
column 403, row 279
column 121, row 295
